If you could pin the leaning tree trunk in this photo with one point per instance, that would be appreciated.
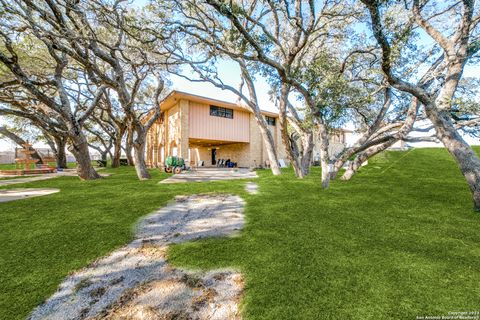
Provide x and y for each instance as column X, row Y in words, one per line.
column 139, row 145
column 270, row 147
column 355, row 164
column 60, row 154
column 79, row 149
column 261, row 122
column 372, row 149
column 361, row 157
column 467, row 161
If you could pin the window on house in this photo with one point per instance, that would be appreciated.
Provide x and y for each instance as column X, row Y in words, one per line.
column 221, row 112
column 270, row 120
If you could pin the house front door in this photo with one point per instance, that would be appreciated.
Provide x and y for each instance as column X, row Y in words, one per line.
column 214, row 156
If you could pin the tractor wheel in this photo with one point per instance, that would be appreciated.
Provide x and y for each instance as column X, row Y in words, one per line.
column 177, row 170
column 168, row 169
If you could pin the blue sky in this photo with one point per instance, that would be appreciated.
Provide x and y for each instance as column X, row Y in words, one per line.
column 229, row 72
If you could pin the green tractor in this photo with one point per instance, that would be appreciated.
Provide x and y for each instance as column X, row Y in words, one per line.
column 174, row 164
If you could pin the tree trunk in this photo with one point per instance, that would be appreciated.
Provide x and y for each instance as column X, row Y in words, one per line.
column 104, row 155
column 129, row 146
column 307, row 153
column 467, row 161
column 299, row 159
column 60, row 153
column 139, row 145
column 302, row 155
column 261, row 122
column 140, row 164
column 324, row 156
column 117, row 153
column 57, row 143
column 293, row 153
column 270, row 147
column 352, row 168
column 356, row 163
column 371, row 148
column 117, row 149
column 79, row 149
column 439, row 114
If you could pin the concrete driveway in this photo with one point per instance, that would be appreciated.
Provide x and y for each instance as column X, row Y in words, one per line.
column 211, row 174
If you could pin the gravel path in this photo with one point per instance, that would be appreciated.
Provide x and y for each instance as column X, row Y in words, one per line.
column 136, row 281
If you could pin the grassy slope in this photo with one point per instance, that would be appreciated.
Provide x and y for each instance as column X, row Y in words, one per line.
column 397, row 241
column 43, row 239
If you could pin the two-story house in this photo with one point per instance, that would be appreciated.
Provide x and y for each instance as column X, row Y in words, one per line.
column 203, row 130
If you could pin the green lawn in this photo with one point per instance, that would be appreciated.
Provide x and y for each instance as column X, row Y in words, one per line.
column 399, row 240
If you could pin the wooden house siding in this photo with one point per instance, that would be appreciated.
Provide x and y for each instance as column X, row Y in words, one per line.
column 204, row 126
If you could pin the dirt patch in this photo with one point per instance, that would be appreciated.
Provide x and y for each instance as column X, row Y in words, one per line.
column 174, row 299
column 136, row 282
column 24, row 193
column 46, row 176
